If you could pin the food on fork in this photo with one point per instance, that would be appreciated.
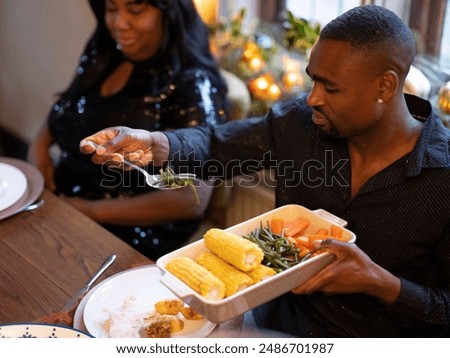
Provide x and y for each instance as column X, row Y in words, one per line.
column 197, row 277
column 234, row 279
column 237, row 251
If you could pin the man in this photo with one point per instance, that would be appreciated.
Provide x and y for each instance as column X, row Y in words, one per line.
column 355, row 146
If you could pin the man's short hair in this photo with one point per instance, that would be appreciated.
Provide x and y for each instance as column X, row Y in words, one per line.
column 369, row 27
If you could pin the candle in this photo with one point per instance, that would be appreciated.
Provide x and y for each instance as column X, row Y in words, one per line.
column 444, row 98
column 265, row 88
column 292, row 81
column 274, row 92
column 251, row 50
column 262, row 83
column 256, row 64
column 207, row 9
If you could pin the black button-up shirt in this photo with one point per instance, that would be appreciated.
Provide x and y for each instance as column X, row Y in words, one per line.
column 401, row 216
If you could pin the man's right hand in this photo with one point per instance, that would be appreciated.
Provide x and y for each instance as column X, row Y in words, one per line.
column 112, row 145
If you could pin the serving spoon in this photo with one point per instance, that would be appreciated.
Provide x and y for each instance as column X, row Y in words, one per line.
column 169, row 182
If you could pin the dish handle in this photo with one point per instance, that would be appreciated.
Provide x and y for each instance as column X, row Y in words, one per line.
column 176, row 286
column 329, row 216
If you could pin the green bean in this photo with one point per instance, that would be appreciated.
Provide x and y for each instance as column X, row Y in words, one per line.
column 168, row 176
column 279, row 253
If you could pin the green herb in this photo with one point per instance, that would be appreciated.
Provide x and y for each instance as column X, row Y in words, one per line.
column 169, row 177
column 301, row 34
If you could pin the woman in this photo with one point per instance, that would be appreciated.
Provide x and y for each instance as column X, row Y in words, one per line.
column 147, row 66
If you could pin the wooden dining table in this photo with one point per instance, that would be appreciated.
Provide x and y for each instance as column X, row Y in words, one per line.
column 47, row 254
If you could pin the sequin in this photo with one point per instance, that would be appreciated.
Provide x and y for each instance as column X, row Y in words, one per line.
column 150, row 100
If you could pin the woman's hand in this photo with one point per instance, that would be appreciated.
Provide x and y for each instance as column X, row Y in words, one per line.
column 112, row 145
column 351, row 272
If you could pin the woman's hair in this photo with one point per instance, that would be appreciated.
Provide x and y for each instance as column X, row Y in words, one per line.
column 185, row 45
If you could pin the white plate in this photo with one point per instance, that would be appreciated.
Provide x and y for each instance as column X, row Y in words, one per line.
column 39, row 330
column 13, row 184
column 34, row 188
column 132, row 294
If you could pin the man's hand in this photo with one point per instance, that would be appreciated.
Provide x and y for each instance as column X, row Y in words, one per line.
column 351, row 272
column 112, row 145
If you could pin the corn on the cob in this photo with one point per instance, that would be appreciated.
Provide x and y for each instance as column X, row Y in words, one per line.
column 197, row 277
column 261, row 272
column 237, row 251
column 234, row 279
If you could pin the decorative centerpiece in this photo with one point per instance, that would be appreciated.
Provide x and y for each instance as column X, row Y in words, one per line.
column 271, row 63
column 444, row 98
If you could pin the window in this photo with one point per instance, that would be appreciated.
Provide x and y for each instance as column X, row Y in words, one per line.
column 445, row 44
column 429, row 20
column 322, row 11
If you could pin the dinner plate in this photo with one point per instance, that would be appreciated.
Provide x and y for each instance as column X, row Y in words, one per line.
column 39, row 330
column 13, row 184
column 129, row 296
column 34, row 188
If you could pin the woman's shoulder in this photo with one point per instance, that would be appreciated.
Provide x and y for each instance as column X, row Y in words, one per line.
column 190, row 74
column 198, row 79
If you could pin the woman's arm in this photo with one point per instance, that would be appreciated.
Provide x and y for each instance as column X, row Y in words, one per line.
column 153, row 208
column 38, row 155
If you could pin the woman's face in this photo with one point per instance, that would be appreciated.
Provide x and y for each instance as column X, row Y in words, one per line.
column 137, row 28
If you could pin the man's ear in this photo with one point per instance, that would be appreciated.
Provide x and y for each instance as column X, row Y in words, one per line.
column 388, row 85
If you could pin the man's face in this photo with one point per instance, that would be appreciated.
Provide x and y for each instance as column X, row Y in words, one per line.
column 344, row 90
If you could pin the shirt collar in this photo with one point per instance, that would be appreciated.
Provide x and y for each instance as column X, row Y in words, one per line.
column 432, row 147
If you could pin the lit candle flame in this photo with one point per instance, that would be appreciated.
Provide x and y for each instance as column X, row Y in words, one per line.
column 256, row 64
column 208, row 10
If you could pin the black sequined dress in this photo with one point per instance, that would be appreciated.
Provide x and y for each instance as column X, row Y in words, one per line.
column 152, row 99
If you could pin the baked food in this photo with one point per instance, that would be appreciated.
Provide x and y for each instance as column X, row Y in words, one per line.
column 190, row 314
column 161, row 325
column 169, row 306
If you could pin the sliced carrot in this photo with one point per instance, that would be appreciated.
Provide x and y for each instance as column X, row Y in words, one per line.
column 296, row 227
column 276, row 225
column 304, row 252
column 324, row 237
column 292, row 241
column 303, row 242
column 336, row 231
column 322, row 232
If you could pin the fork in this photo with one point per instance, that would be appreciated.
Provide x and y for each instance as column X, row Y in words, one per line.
column 177, row 181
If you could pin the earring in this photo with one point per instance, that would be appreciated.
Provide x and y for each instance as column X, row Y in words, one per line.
column 380, row 101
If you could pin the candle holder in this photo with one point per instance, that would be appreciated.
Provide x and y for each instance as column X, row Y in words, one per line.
column 443, row 103
column 208, row 11
column 444, row 98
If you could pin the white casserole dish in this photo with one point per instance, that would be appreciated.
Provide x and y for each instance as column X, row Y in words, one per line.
column 263, row 291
